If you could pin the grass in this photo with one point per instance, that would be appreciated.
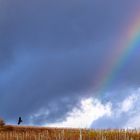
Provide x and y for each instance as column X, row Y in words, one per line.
column 44, row 133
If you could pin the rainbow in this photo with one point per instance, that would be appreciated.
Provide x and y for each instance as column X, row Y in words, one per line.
column 131, row 40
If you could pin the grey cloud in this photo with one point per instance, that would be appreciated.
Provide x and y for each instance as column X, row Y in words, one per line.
column 121, row 118
column 109, row 122
column 52, row 50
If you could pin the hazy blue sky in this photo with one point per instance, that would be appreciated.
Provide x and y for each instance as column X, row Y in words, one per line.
column 51, row 55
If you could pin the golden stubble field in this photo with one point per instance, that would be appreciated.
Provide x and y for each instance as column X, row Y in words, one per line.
column 44, row 133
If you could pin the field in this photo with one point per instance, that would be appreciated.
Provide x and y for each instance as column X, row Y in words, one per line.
column 45, row 133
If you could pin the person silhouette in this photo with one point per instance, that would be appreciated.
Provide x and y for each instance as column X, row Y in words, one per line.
column 19, row 120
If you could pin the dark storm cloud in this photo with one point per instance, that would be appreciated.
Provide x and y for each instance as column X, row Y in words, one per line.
column 51, row 51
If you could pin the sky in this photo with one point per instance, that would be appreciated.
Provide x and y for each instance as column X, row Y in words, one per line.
column 55, row 55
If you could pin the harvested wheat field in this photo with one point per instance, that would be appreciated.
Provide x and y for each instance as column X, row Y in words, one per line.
column 43, row 133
